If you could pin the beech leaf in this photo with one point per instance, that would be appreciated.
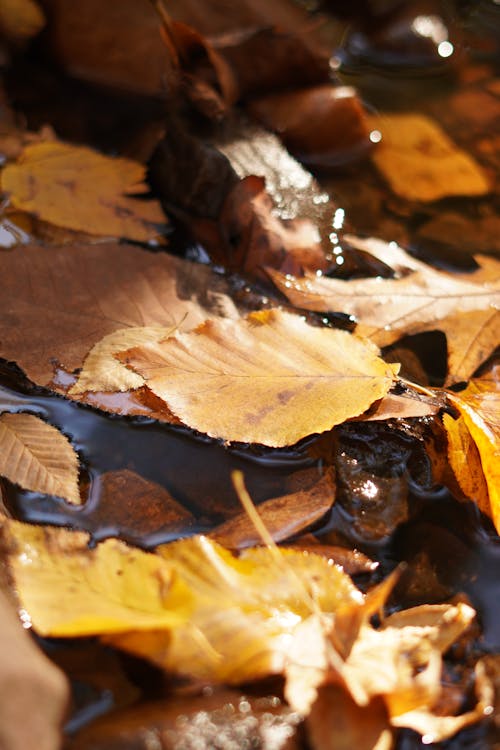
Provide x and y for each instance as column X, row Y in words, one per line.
column 423, row 299
column 479, row 407
column 420, row 162
column 270, row 378
column 38, row 457
column 78, row 188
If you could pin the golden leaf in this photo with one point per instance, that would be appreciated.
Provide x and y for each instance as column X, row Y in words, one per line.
column 464, row 306
column 479, row 407
column 70, row 590
column 270, row 378
column 103, row 372
column 420, row 162
column 78, row 188
column 38, row 457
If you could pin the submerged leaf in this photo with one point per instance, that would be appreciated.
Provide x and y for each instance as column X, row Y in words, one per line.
column 420, row 162
column 78, row 188
column 270, row 378
column 38, row 457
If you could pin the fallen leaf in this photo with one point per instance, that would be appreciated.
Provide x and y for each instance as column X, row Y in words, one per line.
column 420, row 162
column 78, row 188
column 270, row 378
column 103, row 372
column 283, row 516
column 70, row 590
column 38, row 457
column 479, row 407
column 89, row 291
column 20, row 19
column 422, row 299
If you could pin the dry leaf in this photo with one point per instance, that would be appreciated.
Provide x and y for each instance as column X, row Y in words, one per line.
column 422, row 300
column 479, row 407
column 282, row 516
column 420, row 162
column 103, row 372
column 20, row 19
column 78, row 188
column 89, row 291
column 38, row 457
column 270, row 378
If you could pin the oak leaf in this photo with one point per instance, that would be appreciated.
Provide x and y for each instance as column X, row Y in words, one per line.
column 479, row 407
column 420, row 162
column 78, row 188
column 38, row 457
column 270, row 378
column 58, row 302
column 421, row 299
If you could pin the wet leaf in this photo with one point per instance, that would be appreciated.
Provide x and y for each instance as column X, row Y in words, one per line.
column 89, row 291
column 78, row 188
column 270, row 378
column 479, row 407
column 38, row 457
column 420, row 162
column 422, row 299
column 70, row 590
column 283, row 516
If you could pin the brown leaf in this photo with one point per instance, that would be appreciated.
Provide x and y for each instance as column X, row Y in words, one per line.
column 89, row 291
column 78, row 188
column 420, row 162
column 38, row 457
column 270, row 378
column 20, row 19
column 283, row 516
column 423, row 299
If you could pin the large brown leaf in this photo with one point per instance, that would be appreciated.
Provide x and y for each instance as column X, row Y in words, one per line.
column 420, row 299
column 58, row 302
column 38, row 457
column 78, row 188
column 270, row 378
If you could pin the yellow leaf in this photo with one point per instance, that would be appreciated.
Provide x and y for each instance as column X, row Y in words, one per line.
column 270, row 378
column 479, row 407
column 466, row 462
column 78, row 188
column 103, row 372
column 70, row 590
column 420, row 162
column 20, row 19
column 38, row 457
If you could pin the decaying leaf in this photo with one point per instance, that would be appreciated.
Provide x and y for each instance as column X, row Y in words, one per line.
column 103, row 372
column 194, row 609
column 283, row 516
column 479, row 407
column 420, row 162
column 270, row 378
column 89, row 291
column 422, row 299
column 78, row 188
column 38, row 457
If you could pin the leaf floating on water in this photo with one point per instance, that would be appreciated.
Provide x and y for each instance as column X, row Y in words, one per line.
column 103, row 372
column 420, row 162
column 270, row 378
column 78, row 188
column 479, row 407
column 38, row 457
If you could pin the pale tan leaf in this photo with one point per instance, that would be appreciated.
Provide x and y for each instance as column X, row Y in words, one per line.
column 270, row 378
column 103, row 372
column 420, row 162
column 38, row 457
column 78, row 188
